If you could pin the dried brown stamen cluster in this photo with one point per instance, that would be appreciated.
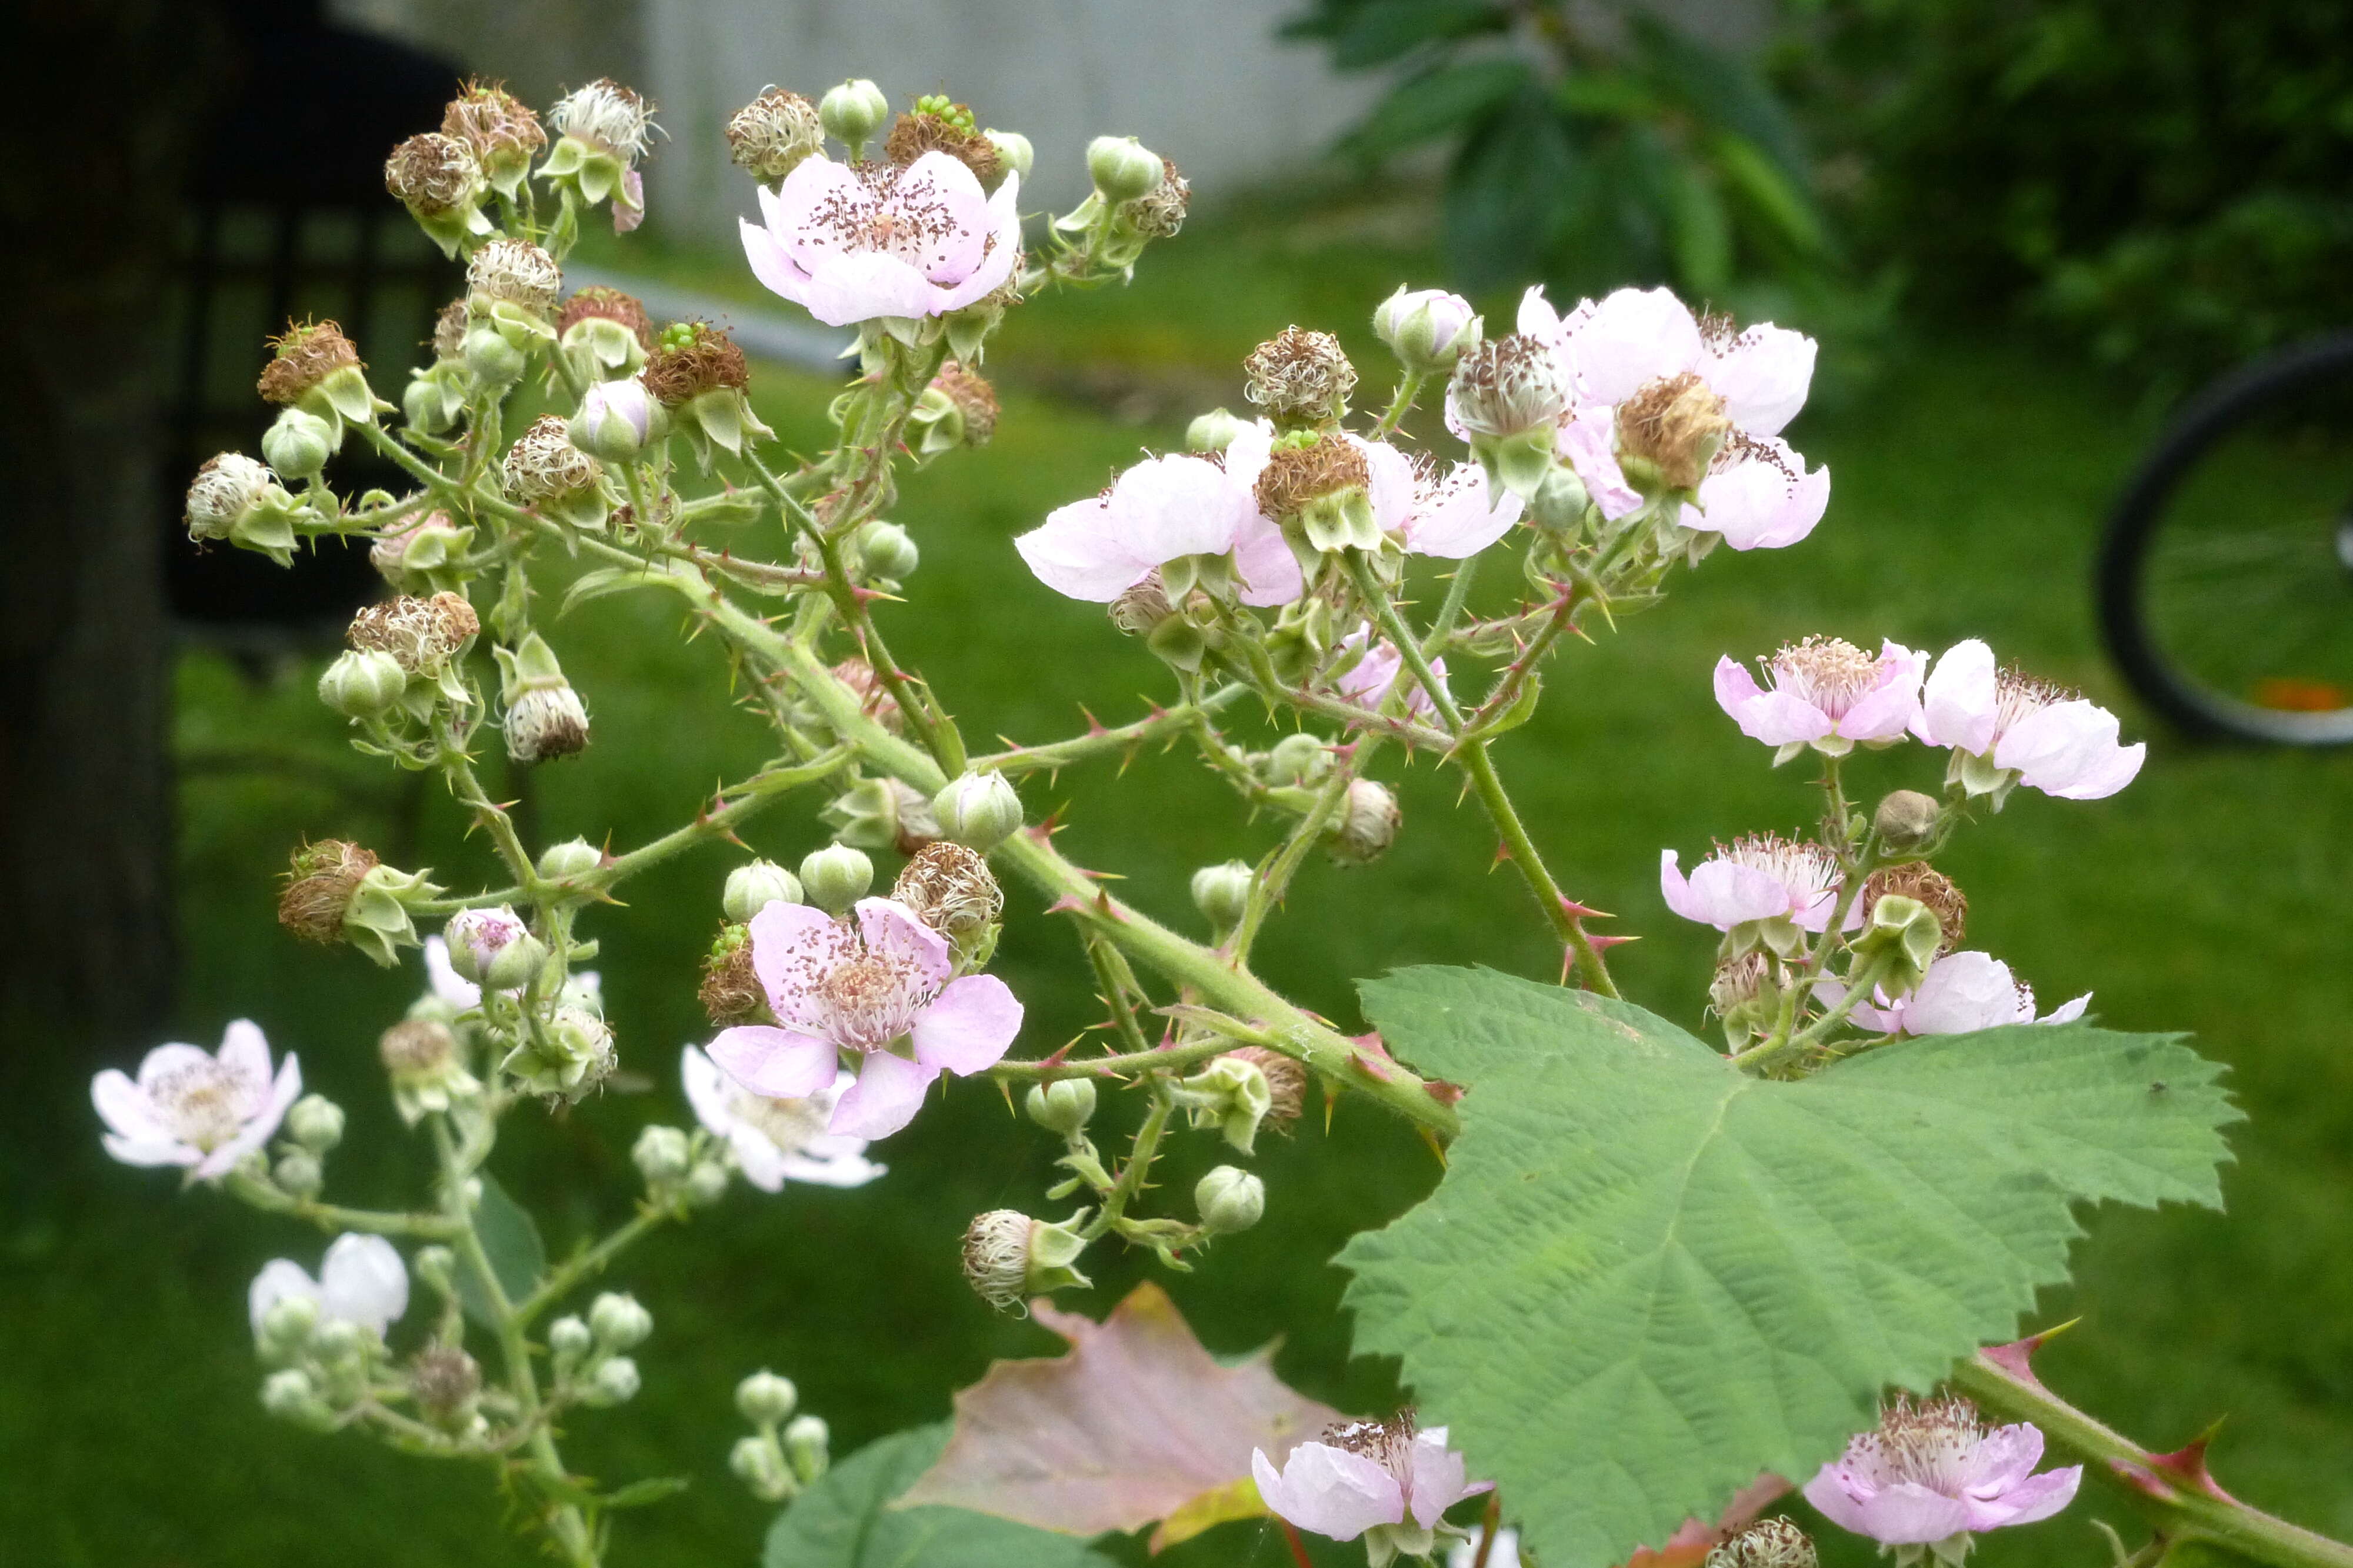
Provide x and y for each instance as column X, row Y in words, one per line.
column 1300, row 376
column 1918, row 880
column 543, row 464
column 874, row 698
column 1286, row 1082
column 494, row 122
column 950, row 888
column 974, row 398
column 433, row 173
column 679, row 373
column 730, row 992
column 320, row 888
column 416, row 1047
column 1775, row 1542
column 1159, row 212
column 1505, row 385
column 609, row 304
column 1676, row 423
column 450, row 331
column 1295, row 476
column 304, row 355
column 518, row 272
column 418, row 634
column 916, row 134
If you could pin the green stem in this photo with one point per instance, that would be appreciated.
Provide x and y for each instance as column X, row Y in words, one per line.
column 1858, row 986
column 1449, row 609
column 262, row 1195
column 1401, row 636
column 1054, row 754
column 1174, row 1057
column 1408, row 388
column 2185, row 1509
column 1138, row 1165
column 1269, row 885
column 568, row 1277
column 1590, row 969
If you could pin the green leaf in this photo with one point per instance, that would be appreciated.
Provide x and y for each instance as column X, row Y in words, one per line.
column 1784, row 208
column 1507, row 193
column 605, row 581
column 637, row 1494
column 846, row 1521
column 1646, row 1277
column 1385, row 30
column 511, row 1241
column 1437, row 103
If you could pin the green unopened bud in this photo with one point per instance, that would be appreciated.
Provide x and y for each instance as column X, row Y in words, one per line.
column 853, row 112
column 1213, row 431
column 618, row 1321
column 1123, row 169
column 1559, row 502
column 887, row 552
column 362, row 683
column 805, row 1442
column 706, row 1183
column 882, row 813
column 1368, row 823
column 1013, row 151
column 753, row 888
column 1427, row 329
column 436, row 1266
column 1222, row 892
column 836, row 876
column 298, row 1174
column 490, row 359
column 572, row 857
column 341, row 1342
column 615, row 1381
column 568, row 1338
column 299, row 444
column 291, row 1395
column 760, row 1464
column 1232, row 1094
column 1299, row 759
column 315, row 1122
column 288, row 1325
column 1902, row 937
column 979, row 811
column 661, row 1156
column 1228, row 1199
column 1064, row 1106
column 1906, row 820
column 766, row 1398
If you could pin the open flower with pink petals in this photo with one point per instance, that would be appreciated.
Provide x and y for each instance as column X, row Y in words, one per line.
column 1824, row 693
column 1759, row 888
column 1931, row 1475
column 2006, row 728
column 852, row 242
column 1759, row 494
column 880, row 988
column 1959, row 993
column 1164, row 509
column 187, row 1107
column 1381, row 1479
column 362, row 1281
column 776, row 1141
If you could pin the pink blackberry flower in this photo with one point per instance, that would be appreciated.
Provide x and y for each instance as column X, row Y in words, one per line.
column 1824, row 693
column 1164, row 510
column 2007, row 728
column 1959, row 993
column 1381, row 1479
column 204, row 1111
column 1755, row 882
column 1930, row 1475
column 852, row 242
column 776, row 1141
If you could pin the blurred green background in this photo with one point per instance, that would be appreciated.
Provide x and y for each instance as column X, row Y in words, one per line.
column 2210, row 897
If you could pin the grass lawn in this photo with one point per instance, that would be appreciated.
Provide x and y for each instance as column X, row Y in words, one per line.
column 2211, row 896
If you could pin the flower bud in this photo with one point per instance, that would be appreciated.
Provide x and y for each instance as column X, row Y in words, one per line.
column 979, row 811
column 339, row 1340
column 853, row 112
column 805, row 1440
column 887, row 552
column 836, row 876
column 291, row 1395
column 446, row 1382
column 706, row 1183
column 288, row 1325
column 436, row 1266
column 1222, row 892
column 1228, row 1199
column 480, row 942
column 661, row 1156
column 571, row 1055
column 1013, row 152
column 298, row 445
column 569, row 1338
column 298, row 1174
column 773, row 134
column 1427, row 329
column 1008, row 1257
column 315, row 1122
column 618, row 1321
column 764, row 1399
column 1299, row 758
column 1669, row 432
column 882, row 813
column 618, row 420
column 1122, row 168
column 1906, row 819
column 545, row 718
column 755, row 885
column 1230, row 1093
column 421, row 555
column 759, row 1464
column 615, row 1381
column 492, row 361
column 1560, row 501
column 363, row 684
column 1775, row 1542
column 572, row 857
column 1301, row 378
column 1213, row 431
column 951, row 888
column 1369, row 820
column 1064, row 1106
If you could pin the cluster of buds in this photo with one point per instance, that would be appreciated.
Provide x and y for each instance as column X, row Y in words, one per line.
column 324, row 1338
column 590, row 1356
column 545, row 716
column 698, row 373
column 784, row 1453
column 314, row 1125
column 337, row 891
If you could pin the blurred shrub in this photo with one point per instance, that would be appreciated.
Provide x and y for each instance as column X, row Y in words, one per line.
column 2171, row 181
column 1611, row 149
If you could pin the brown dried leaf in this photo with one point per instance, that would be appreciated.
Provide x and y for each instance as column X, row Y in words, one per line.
column 1132, row 1424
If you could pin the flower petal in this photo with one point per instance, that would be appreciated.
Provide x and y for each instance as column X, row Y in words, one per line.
column 1078, row 552
column 2036, row 1496
column 888, row 1091
column 1329, row 1490
column 1956, row 704
column 123, row 1107
column 771, row 263
column 1263, row 560
column 892, row 929
column 793, row 948
column 1437, row 1482
column 969, row 1026
column 280, row 1278
column 1908, row 1512
column 363, row 1281
column 774, row 1062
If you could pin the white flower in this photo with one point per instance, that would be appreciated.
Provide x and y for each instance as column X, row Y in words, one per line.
column 1380, row 1480
column 2007, row 728
column 776, row 1141
column 361, row 1281
column 207, row 1112
column 1960, row 994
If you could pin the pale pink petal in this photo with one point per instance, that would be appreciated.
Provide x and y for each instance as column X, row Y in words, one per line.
column 1962, row 993
column 1388, row 483
column 279, row 1280
column 1329, row 1490
column 1269, row 572
column 245, row 1052
column 937, row 179
column 128, row 1111
column 1886, row 712
column 1762, row 376
column 771, row 263
column 629, row 201
column 1455, row 518
column 1908, row 1512
column 1165, row 508
column 888, row 1091
column 1438, row 1480
column 774, row 1062
column 2069, row 750
column 1537, row 318
column 1957, row 705
column 894, row 931
column 1004, row 251
column 1076, row 553
column 2067, row 1012
column 2004, row 1457
column 443, row 978
column 969, row 1026
column 2036, row 1496
column 1633, row 336
column 857, row 286
column 363, row 1281
column 1720, row 893
column 706, row 1091
column 1588, row 443
column 2107, row 774
column 794, row 947
column 1776, row 718
column 1246, row 456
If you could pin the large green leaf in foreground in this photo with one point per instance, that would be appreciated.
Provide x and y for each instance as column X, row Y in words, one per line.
column 1647, row 1277
column 846, row 1521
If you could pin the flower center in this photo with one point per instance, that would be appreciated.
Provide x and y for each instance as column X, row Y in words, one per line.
column 789, row 1124
column 873, row 1000
column 1930, row 1444
column 1388, row 1444
column 203, row 1102
column 899, row 218
column 1831, row 674
column 1806, row 870
column 2018, row 695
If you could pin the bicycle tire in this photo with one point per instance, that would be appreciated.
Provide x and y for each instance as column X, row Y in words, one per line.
column 2216, row 411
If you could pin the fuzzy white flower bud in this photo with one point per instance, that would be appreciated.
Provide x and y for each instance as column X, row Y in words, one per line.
column 569, row 1338
column 1906, row 819
column 1013, row 151
column 615, row 1381
column 362, row 683
column 753, row 887
column 1123, row 169
column 291, row 1395
column 572, row 857
column 979, row 811
column 315, row 1122
column 661, row 1156
column 1222, row 892
column 887, row 552
column 764, row 1399
column 618, row 420
column 760, row 1464
column 706, row 1183
column 1064, row 1106
column 836, row 876
column 853, row 112
column 1228, row 1199
column 618, row 1321
column 806, row 1438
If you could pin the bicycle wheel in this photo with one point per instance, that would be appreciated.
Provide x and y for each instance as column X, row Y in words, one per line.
column 2226, row 578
